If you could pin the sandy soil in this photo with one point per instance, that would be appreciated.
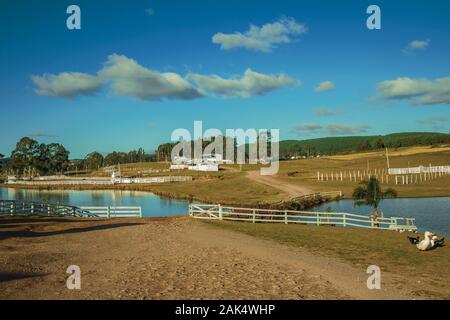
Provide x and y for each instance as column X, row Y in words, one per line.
column 167, row 258
column 292, row 190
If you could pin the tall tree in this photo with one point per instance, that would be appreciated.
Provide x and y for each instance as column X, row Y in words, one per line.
column 93, row 160
column 1, row 161
column 58, row 157
column 25, row 154
column 369, row 193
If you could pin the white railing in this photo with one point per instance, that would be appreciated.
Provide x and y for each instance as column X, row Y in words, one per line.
column 420, row 169
column 344, row 219
column 114, row 212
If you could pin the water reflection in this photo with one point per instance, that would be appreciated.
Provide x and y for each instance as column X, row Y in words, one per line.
column 152, row 205
column 431, row 213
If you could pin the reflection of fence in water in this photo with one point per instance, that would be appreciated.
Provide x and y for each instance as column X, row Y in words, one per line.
column 13, row 207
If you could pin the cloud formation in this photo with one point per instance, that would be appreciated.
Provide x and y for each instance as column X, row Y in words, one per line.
column 38, row 134
column 437, row 122
column 324, row 86
column 416, row 91
column 344, row 129
column 128, row 78
column 66, row 84
column 417, row 45
column 264, row 38
column 250, row 84
column 324, row 112
column 307, row 127
column 332, row 129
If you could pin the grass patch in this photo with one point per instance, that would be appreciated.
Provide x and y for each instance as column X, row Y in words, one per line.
column 391, row 251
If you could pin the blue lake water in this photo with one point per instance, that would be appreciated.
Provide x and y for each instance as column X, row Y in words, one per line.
column 431, row 213
column 152, row 205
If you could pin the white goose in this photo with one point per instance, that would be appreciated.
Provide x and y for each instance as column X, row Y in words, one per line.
column 427, row 243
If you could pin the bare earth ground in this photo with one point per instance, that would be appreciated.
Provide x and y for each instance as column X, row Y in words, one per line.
column 168, row 258
column 293, row 190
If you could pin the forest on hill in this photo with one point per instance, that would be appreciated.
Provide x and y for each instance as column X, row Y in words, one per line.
column 334, row 145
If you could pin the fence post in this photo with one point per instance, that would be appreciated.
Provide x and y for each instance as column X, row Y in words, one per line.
column 108, row 212
column 220, row 213
column 140, row 212
column 285, row 217
column 318, row 219
column 344, row 222
column 12, row 209
column 254, row 216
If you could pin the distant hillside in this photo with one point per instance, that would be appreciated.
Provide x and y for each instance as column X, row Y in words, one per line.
column 333, row 145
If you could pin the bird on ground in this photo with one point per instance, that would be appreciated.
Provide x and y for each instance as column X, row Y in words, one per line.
column 426, row 244
column 436, row 242
column 414, row 240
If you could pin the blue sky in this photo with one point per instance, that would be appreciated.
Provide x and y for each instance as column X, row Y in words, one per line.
column 379, row 81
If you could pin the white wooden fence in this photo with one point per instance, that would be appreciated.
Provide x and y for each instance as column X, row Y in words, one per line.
column 343, row 219
column 114, row 212
column 420, row 169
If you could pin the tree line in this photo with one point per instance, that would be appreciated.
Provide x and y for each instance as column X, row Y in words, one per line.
column 334, row 145
column 31, row 158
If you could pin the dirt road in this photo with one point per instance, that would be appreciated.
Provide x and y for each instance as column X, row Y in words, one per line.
column 292, row 190
column 167, row 258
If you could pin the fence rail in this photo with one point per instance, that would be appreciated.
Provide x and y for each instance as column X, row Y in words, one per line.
column 13, row 207
column 115, row 212
column 218, row 212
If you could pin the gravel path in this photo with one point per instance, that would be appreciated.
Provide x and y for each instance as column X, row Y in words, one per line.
column 165, row 258
column 293, row 190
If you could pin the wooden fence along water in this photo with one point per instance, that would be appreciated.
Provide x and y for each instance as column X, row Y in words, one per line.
column 58, row 181
column 115, row 212
column 343, row 219
column 13, row 207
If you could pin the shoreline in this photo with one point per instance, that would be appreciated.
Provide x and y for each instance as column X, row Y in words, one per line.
column 167, row 195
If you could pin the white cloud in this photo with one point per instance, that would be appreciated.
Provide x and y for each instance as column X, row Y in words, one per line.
column 436, row 122
column 250, row 84
column 66, row 84
column 417, row 45
column 128, row 78
column 39, row 134
column 263, row 38
column 417, row 91
column 344, row 129
column 324, row 112
column 324, row 86
column 332, row 129
column 307, row 127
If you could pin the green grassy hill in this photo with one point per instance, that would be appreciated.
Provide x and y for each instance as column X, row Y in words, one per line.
column 333, row 145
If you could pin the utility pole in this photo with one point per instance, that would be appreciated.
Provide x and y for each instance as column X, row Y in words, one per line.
column 387, row 157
